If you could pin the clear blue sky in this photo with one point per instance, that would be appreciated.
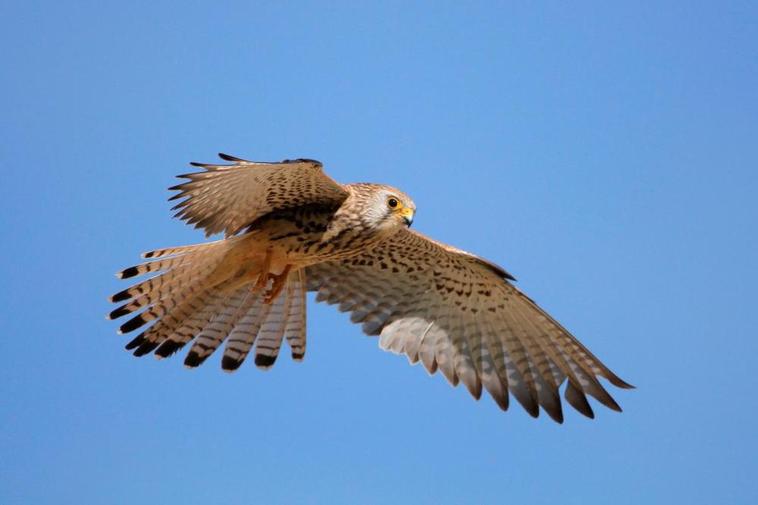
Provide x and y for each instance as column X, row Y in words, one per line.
column 605, row 155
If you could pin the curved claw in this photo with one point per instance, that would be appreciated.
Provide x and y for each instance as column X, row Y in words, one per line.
column 279, row 282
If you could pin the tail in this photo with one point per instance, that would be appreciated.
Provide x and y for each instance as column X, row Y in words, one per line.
column 204, row 293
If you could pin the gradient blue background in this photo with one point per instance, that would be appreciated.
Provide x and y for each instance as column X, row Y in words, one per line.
column 605, row 155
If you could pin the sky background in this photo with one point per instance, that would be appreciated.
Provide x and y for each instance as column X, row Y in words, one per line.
column 605, row 155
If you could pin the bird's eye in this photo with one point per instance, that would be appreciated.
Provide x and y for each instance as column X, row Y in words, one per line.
column 392, row 203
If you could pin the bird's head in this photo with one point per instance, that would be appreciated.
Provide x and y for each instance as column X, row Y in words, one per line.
column 387, row 209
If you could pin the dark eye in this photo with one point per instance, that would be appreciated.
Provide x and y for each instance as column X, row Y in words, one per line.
column 392, row 203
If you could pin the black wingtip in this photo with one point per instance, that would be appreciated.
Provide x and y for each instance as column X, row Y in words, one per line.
column 132, row 324
column 578, row 400
column 229, row 157
column 533, row 410
column 616, row 381
column 611, row 404
column 501, row 400
column 230, row 364
column 193, row 359
column 119, row 312
column 136, row 342
column 145, row 348
column 121, row 296
column 179, row 205
column 264, row 361
column 168, row 348
column 556, row 414
column 304, row 160
column 298, row 356
column 129, row 272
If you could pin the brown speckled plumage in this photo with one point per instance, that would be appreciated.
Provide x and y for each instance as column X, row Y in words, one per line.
column 290, row 228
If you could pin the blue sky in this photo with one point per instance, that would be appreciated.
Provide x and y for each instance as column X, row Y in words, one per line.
column 605, row 155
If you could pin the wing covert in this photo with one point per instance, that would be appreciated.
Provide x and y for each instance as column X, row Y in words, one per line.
column 227, row 198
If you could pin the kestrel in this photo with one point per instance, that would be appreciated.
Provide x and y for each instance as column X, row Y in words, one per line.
column 289, row 228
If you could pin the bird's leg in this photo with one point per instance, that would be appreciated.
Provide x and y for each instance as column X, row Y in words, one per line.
column 279, row 282
column 262, row 281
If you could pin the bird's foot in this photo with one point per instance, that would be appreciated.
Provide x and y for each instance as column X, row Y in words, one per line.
column 279, row 282
column 263, row 277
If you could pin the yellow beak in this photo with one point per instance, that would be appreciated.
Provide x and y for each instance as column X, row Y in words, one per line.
column 407, row 214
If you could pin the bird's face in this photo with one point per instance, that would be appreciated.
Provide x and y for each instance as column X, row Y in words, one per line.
column 391, row 209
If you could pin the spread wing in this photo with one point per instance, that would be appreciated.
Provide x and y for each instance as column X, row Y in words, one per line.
column 229, row 197
column 457, row 313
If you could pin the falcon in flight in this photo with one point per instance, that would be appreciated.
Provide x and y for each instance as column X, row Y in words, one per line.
column 288, row 229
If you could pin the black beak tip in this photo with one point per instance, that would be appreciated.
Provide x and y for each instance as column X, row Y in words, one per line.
column 408, row 221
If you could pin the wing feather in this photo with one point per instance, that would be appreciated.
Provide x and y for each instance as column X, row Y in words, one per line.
column 242, row 337
column 228, row 198
column 294, row 332
column 458, row 313
column 270, row 335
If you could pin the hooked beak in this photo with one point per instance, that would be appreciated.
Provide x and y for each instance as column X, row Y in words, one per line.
column 407, row 215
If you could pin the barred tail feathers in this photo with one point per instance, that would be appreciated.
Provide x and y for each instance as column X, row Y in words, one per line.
column 264, row 326
column 201, row 293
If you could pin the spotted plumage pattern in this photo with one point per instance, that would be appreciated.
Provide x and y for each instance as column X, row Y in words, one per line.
column 457, row 313
column 289, row 229
column 225, row 198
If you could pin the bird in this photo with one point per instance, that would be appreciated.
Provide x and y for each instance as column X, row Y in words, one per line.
column 288, row 229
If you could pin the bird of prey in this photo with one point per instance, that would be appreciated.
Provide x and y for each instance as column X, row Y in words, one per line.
column 289, row 228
